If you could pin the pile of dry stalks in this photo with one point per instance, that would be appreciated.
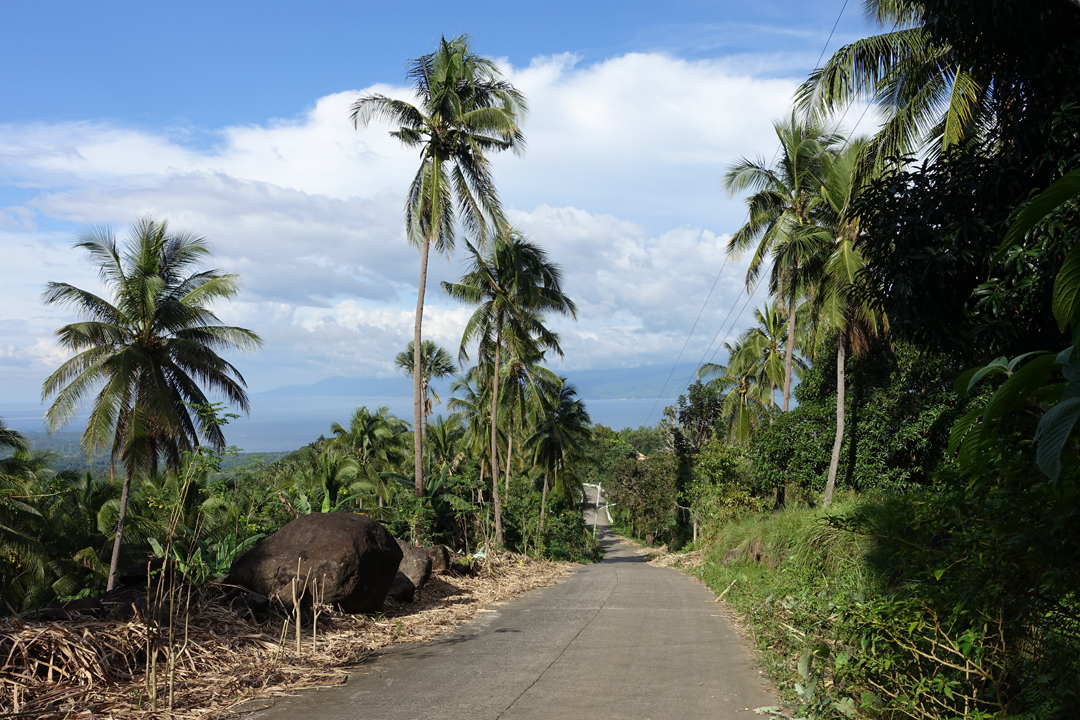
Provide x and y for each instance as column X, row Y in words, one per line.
column 209, row 659
column 662, row 558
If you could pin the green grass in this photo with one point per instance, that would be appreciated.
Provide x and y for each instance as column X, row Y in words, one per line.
column 791, row 598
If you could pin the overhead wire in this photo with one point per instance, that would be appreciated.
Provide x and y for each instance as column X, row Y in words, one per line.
column 689, row 335
column 722, row 332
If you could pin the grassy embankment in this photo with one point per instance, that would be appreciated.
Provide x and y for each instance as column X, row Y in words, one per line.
column 880, row 609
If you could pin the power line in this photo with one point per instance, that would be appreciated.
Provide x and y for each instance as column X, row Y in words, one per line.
column 688, row 336
column 835, row 24
column 722, row 332
column 738, row 317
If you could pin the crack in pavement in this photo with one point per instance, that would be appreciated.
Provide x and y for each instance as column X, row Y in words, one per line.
column 564, row 649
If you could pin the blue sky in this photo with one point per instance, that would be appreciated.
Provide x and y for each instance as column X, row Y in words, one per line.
column 231, row 119
column 203, row 65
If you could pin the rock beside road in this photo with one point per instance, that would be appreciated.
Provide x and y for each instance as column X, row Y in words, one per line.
column 440, row 558
column 413, row 573
column 353, row 559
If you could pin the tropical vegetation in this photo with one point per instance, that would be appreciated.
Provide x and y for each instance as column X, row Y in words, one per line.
column 901, row 539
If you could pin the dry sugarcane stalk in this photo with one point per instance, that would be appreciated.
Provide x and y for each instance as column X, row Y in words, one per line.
column 316, row 599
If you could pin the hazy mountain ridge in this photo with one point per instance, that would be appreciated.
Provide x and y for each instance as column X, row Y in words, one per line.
column 636, row 383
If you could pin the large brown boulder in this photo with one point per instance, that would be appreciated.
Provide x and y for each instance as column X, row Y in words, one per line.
column 352, row 558
column 413, row 573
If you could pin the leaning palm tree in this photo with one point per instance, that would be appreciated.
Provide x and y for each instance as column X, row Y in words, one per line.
column 513, row 287
column 144, row 352
column 465, row 110
column 785, row 198
column 840, row 300
column 929, row 100
column 435, row 363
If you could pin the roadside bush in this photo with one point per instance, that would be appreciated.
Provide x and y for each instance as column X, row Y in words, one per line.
column 720, row 489
column 564, row 536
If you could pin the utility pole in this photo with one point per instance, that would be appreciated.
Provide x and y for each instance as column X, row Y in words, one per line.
column 596, row 515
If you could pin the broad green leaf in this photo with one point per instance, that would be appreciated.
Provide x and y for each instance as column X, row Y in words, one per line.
column 1018, row 388
column 961, row 427
column 1066, row 302
column 1040, row 206
column 804, row 665
column 970, row 378
column 1016, row 361
column 845, row 706
column 1054, row 430
column 960, row 385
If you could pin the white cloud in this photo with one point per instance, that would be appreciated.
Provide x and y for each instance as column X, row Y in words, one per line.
column 620, row 183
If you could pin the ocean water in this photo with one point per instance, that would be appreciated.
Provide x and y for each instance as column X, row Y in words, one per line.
column 279, row 423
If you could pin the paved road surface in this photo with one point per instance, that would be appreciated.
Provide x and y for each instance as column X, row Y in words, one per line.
column 619, row 639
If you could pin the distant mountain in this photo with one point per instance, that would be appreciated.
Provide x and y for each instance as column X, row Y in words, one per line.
column 635, row 383
column 348, row 386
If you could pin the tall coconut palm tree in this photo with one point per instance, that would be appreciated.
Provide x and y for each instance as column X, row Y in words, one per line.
column 465, row 110
column 513, row 287
column 435, row 363
column 838, row 300
column 143, row 352
column 785, row 197
column 929, row 100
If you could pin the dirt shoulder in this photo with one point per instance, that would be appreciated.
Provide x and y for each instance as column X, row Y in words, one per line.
column 219, row 660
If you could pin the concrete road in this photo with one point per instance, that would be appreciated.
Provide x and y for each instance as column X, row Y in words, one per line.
column 619, row 639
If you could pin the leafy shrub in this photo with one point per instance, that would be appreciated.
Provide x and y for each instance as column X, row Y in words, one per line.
column 720, row 489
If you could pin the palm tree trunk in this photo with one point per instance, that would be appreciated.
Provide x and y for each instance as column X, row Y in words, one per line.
column 418, row 392
column 495, row 435
column 543, row 501
column 790, row 357
column 424, row 415
column 834, row 463
column 115, row 561
column 509, row 457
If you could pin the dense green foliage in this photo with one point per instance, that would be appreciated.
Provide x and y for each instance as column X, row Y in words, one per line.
column 900, row 408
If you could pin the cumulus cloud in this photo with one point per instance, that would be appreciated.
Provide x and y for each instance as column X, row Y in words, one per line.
column 620, row 183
